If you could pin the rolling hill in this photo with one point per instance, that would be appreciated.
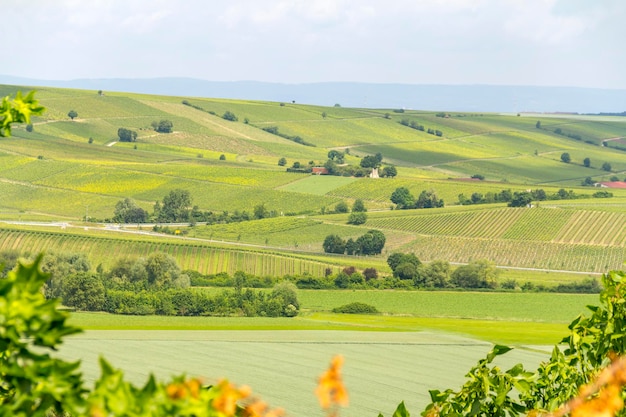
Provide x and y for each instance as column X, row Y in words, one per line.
column 65, row 170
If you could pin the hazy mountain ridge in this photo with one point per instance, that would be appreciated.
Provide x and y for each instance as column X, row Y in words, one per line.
column 467, row 98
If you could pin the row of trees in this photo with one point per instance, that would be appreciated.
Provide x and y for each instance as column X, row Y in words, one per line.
column 371, row 243
column 520, row 198
column 176, row 207
column 414, row 125
column 403, row 199
column 155, row 285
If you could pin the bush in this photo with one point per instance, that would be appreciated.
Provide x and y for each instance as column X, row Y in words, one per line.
column 230, row 116
column 356, row 308
column 357, row 218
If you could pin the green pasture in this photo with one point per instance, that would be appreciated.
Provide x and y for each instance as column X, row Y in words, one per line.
column 511, row 306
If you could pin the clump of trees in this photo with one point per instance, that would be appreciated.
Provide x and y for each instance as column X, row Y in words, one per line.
column 163, row 126
column 126, row 135
column 371, row 243
column 72, row 114
column 403, row 199
column 127, row 211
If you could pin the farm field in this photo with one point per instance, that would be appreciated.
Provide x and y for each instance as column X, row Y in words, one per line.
column 65, row 170
column 381, row 369
column 512, row 318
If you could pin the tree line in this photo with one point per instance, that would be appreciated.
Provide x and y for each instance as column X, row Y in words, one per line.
column 523, row 198
column 153, row 285
column 176, row 207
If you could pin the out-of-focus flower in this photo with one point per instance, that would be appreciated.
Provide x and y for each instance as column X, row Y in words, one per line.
column 228, row 396
column 330, row 390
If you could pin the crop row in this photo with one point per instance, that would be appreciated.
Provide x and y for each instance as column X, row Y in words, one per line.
column 600, row 228
column 487, row 223
column 205, row 259
column 537, row 254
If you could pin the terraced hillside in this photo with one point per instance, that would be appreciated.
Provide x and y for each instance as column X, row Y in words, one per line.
column 66, row 170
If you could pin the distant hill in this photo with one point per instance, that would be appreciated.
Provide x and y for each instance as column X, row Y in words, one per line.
column 467, row 98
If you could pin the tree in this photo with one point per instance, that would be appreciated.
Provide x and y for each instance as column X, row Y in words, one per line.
column 371, row 243
column 287, row 293
column 126, row 135
column 538, row 124
column 351, row 247
column 477, row 274
column 358, row 206
column 162, row 271
column 334, row 244
column 606, row 167
column 371, row 161
column 282, row 162
column 588, row 181
column 405, row 270
column 164, row 126
column 176, row 207
column 436, row 274
column 29, row 127
column 83, row 291
column 72, row 114
column 587, row 162
column 566, row 158
column 222, row 157
column 402, row 198
column 336, row 155
column 521, row 199
column 370, row 273
column 341, row 207
column 428, row 199
column 390, row 171
column 357, row 218
column 230, row 116
column 18, row 110
column 261, row 212
column 127, row 211
column 397, row 258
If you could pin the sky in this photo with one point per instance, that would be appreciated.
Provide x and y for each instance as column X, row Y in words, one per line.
column 574, row 43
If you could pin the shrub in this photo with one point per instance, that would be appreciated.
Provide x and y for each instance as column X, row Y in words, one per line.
column 356, row 308
column 357, row 218
column 230, row 116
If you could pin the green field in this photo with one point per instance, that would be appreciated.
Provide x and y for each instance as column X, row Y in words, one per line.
column 514, row 318
column 380, row 371
column 55, row 173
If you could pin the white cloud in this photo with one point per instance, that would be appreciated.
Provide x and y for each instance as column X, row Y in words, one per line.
column 536, row 21
column 418, row 41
